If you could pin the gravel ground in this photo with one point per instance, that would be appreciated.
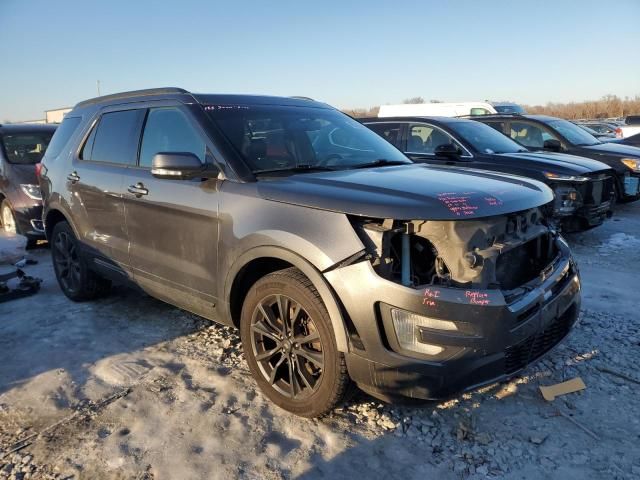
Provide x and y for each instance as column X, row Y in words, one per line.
column 130, row 388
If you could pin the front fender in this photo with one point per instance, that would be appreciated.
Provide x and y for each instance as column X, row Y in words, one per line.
column 312, row 273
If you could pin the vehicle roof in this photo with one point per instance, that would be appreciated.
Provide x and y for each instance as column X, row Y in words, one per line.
column 201, row 98
column 28, row 127
column 443, row 120
column 540, row 118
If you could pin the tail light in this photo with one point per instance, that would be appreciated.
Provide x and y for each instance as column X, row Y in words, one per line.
column 618, row 132
column 38, row 170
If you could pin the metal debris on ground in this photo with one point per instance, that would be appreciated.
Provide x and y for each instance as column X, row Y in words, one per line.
column 26, row 286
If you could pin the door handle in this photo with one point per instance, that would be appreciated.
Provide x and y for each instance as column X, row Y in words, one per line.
column 138, row 189
column 73, row 177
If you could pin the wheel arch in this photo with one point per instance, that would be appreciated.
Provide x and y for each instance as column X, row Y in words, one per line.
column 52, row 217
column 260, row 261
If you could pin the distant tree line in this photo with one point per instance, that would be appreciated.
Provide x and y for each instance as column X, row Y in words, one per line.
column 609, row 106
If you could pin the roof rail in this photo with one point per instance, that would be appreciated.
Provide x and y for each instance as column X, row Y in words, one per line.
column 132, row 93
column 300, row 97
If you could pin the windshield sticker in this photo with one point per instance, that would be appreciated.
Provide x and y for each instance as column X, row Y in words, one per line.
column 458, row 203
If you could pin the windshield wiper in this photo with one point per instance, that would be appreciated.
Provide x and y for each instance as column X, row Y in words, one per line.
column 297, row 169
column 381, row 162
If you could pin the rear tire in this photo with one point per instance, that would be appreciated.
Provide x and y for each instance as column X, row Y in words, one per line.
column 295, row 361
column 75, row 278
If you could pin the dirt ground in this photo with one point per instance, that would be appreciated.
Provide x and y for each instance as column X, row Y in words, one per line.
column 130, row 388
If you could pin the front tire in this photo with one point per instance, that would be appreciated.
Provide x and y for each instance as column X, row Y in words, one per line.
column 290, row 346
column 75, row 278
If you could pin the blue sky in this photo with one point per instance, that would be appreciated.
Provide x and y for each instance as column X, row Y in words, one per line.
column 347, row 53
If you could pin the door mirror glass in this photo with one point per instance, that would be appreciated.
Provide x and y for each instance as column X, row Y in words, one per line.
column 176, row 165
column 552, row 145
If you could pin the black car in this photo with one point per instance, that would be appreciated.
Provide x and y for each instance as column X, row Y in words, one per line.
column 337, row 257
column 633, row 140
column 540, row 132
column 21, row 149
column 583, row 187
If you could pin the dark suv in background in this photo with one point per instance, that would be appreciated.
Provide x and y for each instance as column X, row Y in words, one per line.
column 337, row 257
column 21, row 149
column 540, row 132
column 584, row 188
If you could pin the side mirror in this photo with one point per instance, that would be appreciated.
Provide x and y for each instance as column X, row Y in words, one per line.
column 447, row 150
column 179, row 166
column 552, row 145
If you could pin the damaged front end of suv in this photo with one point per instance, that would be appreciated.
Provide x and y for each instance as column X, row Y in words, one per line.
column 456, row 303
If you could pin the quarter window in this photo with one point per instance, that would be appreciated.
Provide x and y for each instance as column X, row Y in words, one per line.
column 169, row 130
column 479, row 111
column 116, row 138
column 62, row 136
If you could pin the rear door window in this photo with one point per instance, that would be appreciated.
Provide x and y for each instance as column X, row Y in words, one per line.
column 530, row 135
column 168, row 129
column 426, row 138
column 116, row 138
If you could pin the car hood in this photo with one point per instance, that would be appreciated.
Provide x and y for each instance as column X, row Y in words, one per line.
column 409, row 192
column 616, row 149
column 558, row 162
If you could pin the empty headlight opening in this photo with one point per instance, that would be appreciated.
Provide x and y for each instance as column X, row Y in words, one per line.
column 501, row 252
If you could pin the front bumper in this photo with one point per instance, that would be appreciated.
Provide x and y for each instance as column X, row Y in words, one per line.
column 29, row 222
column 631, row 185
column 499, row 339
column 594, row 202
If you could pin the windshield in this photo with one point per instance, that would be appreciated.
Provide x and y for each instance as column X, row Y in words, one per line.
column 485, row 139
column 509, row 109
column 572, row 132
column 25, row 148
column 279, row 138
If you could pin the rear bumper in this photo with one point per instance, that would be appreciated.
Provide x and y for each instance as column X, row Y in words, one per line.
column 494, row 341
column 29, row 222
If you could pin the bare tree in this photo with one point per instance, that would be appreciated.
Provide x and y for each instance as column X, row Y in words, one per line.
column 414, row 100
column 607, row 107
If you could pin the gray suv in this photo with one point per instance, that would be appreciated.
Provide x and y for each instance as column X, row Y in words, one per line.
column 339, row 259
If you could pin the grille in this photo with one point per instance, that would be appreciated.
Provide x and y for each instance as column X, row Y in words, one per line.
column 518, row 356
column 597, row 190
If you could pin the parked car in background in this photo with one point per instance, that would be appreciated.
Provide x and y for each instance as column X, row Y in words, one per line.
column 21, row 149
column 337, row 257
column 633, row 140
column 630, row 128
column 508, row 107
column 436, row 109
column 541, row 132
column 584, row 188
column 600, row 128
column 603, row 137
